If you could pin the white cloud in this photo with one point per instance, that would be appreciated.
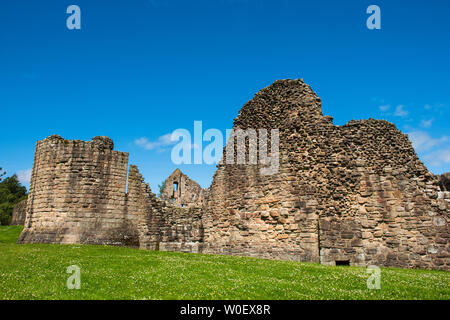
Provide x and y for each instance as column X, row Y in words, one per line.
column 400, row 111
column 422, row 141
column 438, row 158
column 385, row 107
column 426, row 123
column 24, row 176
column 161, row 142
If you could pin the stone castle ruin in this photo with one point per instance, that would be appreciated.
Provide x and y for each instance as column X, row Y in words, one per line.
column 183, row 192
column 355, row 194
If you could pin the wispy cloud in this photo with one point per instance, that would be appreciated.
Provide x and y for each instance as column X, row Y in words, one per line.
column 437, row 108
column 161, row 142
column 384, row 108
column 24, row 176
column 438, row 157
column 400, row 111
column 422, row 141
column 426, row 123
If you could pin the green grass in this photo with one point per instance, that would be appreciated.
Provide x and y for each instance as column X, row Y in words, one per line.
column 38, row 271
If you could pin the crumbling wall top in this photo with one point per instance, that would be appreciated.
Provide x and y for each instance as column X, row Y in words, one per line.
column 98, row 142
column 103, row 142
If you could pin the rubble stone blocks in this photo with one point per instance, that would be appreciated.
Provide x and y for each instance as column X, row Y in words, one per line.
column 354, row 194
column 444, row 183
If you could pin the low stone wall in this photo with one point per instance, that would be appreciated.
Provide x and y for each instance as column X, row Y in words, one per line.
column 19, row 213
column 181, row 230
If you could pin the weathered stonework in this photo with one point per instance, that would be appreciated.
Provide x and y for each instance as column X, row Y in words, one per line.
column 444, row 181
column 77, row 193
column 183, row 192
column 355, row 194
column 19, row 213
column 158, row 224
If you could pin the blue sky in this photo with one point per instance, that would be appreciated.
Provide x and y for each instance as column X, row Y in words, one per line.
column 139, row 69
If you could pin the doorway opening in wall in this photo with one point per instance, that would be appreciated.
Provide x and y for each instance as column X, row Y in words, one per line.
column 342, row 262
column 175, row 186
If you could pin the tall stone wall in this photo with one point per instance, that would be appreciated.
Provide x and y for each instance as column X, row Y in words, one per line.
column 77, row 193
column 383, row 210
column 271, row 216
column 144, row 210
column 355, row 193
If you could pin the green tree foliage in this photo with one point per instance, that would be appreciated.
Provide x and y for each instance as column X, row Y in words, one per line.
column 2, row 173
column 11, row 193
column 161, row 187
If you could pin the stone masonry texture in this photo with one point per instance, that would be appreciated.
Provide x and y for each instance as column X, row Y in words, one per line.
column 355, row 193
column 19, row 213
column 182, row 192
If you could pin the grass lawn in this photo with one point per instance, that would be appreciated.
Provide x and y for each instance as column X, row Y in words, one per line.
column 38, row 271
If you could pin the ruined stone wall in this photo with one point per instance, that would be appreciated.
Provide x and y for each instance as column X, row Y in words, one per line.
column 181, row 230
column 383, row 209
column 77, row 193
column 182, row 192
column 444, row 181
column 160, row 225
column 355, row 193
column 270, row 216
column 19, row 213
column 144, row 210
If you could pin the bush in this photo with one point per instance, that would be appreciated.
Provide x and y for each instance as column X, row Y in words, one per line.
column 6, row 210
column 11, row 193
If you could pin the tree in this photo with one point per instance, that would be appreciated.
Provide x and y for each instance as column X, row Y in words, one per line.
column 11, row 193
column 161, row 188
column 2, row 173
